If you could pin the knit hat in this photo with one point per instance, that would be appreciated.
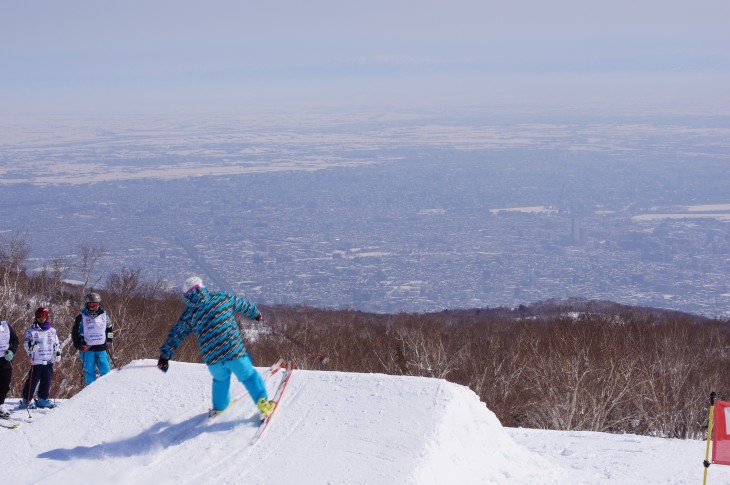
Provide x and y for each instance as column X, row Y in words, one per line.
column 192, row 283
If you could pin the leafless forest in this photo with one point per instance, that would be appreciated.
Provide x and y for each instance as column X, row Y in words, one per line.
column 575, row 365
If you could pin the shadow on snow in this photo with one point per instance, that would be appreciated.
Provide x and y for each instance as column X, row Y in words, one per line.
column 159, row 435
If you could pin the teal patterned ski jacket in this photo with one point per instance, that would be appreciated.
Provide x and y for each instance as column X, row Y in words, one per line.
column 211, row 316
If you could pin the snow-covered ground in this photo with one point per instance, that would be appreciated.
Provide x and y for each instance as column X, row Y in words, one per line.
column 139, row 426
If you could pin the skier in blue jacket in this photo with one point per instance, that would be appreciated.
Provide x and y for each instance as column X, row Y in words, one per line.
column 211, row 316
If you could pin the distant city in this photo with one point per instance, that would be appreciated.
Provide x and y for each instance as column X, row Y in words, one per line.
column 385, row 213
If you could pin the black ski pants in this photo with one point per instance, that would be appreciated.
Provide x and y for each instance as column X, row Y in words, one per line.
column 42, row 373
column 6, row 376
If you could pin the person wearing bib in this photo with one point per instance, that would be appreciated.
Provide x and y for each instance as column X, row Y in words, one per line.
column 92, row 336
column 8, row 347
column 41, row 344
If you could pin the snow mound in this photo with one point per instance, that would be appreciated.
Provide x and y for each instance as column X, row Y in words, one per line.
column 138, row 425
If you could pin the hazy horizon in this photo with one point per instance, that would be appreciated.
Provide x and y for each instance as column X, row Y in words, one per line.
column 89, row 57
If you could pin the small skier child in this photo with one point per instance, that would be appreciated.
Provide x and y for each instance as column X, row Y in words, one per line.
column 41, row 343
column 8, row 347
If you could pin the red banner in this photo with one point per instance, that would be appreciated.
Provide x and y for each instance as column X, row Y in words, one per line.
column 721, row 433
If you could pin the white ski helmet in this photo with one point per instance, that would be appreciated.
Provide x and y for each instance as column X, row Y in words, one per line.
column 191, row 284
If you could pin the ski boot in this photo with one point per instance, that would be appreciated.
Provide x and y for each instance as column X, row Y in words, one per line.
column 44, row 403
column 23, row 404
column 212, row 413
column 266, row 407
column 4, row 413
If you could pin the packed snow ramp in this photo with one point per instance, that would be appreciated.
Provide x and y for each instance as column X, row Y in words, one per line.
column 138, row 425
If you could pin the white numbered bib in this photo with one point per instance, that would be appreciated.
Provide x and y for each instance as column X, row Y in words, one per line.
column 94, row 329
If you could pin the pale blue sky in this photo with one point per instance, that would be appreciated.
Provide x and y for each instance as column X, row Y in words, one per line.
column 108, row 56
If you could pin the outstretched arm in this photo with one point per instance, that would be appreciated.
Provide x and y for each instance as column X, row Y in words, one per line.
column 175, row 338
column 247, row 308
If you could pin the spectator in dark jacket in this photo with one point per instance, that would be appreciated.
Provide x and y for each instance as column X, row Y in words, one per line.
column 8, row 347
column 92, row 336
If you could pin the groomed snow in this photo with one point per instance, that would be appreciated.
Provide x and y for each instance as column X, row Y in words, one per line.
column 140, row 426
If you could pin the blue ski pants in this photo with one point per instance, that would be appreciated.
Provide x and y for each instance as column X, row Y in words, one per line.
column 244, row 372
column 92, row 360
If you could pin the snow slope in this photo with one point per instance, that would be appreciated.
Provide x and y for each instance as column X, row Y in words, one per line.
column 138, row 425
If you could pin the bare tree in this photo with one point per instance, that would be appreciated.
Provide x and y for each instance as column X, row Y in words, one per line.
column 89, row 257
column 13, row 254
column 616, row 369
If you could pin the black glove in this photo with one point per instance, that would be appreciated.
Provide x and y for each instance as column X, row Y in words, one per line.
column 163, row 364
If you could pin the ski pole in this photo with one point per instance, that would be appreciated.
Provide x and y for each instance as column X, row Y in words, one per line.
column 707, row 462
column 112, row 358
column 83, row 370
column 141, row 366
column 53, row 378
column 30, row 386
column 323, row 359
column 18, row 387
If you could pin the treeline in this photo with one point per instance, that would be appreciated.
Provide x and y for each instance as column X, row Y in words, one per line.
column 637, row 371
column 568, row 365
